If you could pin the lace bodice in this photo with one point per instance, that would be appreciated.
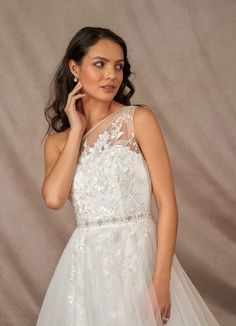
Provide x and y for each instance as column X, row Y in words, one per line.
column 112, row 180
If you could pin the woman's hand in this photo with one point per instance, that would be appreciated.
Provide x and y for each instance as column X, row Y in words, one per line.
column 74, row 112
column 162, row 290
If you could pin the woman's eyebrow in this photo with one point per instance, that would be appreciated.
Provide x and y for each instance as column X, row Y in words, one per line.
column 98, row 57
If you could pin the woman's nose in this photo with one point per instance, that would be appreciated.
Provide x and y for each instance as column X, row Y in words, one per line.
column 111, row 72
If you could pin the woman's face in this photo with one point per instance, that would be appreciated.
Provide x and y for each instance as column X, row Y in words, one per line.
column 103, row 64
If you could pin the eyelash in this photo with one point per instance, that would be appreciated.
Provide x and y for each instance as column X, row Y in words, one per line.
column 121, row 66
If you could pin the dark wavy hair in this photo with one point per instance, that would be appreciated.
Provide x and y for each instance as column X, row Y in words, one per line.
column 63, row 80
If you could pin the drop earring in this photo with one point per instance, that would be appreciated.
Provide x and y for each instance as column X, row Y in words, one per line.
column 75, row 79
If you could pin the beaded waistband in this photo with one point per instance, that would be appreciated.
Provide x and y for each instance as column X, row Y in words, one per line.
column 116, row 219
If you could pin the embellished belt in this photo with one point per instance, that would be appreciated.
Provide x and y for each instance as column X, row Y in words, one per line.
column 115, row 219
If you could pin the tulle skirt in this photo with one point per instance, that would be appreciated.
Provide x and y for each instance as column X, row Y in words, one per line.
column 104, row 278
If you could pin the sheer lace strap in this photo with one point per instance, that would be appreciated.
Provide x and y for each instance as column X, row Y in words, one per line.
column 116, row 129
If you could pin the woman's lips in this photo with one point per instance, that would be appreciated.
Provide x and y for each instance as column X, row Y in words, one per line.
column 108, row 88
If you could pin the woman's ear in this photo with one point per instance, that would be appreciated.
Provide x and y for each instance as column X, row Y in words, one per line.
column 74, row 68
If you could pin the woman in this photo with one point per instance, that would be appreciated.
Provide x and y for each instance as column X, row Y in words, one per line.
column 108, row 157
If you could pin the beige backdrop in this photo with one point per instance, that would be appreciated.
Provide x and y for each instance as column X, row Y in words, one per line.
column 184, row 56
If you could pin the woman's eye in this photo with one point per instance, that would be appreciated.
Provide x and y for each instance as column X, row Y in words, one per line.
column 121, row 67
column 100, row 64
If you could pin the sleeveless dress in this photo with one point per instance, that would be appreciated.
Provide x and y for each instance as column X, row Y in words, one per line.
column 104, row 275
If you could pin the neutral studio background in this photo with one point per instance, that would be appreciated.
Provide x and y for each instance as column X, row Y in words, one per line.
column 184, row 56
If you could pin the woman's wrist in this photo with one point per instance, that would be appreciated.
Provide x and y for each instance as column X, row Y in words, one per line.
column 161, row 277
column 75, row 132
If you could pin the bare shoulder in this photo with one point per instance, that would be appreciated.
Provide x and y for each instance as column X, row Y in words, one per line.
column 56, row 141
column 142, row 114
column 145, row 123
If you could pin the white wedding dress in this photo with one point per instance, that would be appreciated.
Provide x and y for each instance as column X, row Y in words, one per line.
column 103, row 277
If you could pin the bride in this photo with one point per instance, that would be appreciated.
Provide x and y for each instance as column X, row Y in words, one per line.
column 107, row 157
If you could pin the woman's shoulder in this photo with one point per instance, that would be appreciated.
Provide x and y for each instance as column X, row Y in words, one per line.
column 144, row 118
column 57, row 139
column 142, row 107
column 143, row 112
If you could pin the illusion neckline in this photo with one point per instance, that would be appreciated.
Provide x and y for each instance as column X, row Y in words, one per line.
column 124, row 106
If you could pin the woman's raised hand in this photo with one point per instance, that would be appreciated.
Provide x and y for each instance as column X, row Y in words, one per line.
column 73, row 111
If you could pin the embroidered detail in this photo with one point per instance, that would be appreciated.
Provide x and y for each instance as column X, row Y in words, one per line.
column 99, row 221
column 114, row 134
column 114, row 183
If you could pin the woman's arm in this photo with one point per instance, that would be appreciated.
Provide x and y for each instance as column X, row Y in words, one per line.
column 149, row 136
column 60, row 166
